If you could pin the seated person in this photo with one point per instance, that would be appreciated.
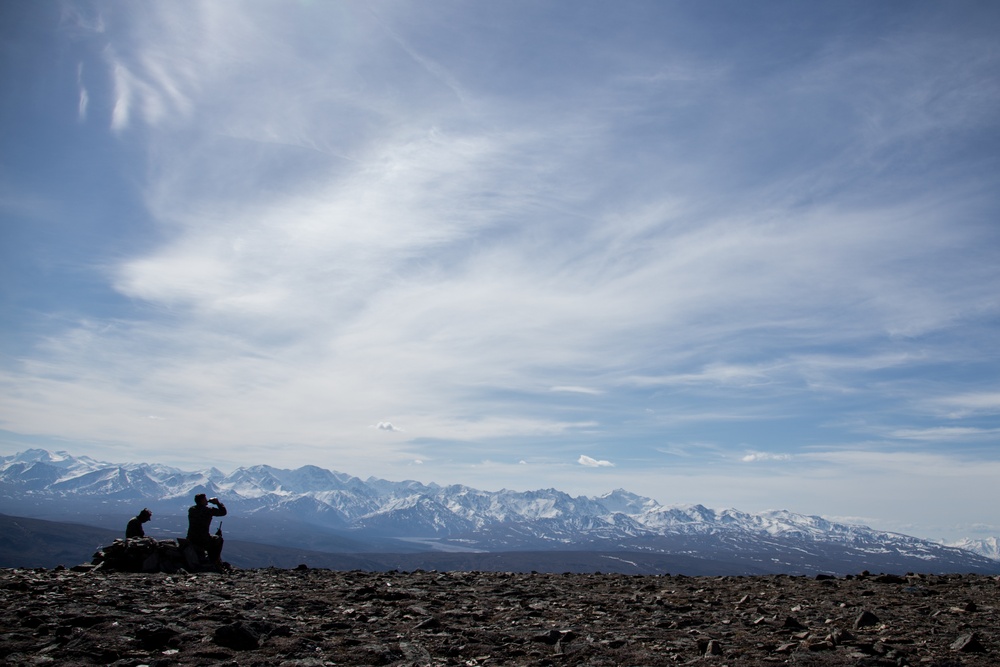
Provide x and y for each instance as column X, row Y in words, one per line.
column 134, row 527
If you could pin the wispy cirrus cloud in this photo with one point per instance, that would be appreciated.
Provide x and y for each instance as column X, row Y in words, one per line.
column 590, row 391
column 946, row 433
column 964, row 405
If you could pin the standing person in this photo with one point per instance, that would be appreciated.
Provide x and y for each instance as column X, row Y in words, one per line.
column 134, row 527
column 200, row 520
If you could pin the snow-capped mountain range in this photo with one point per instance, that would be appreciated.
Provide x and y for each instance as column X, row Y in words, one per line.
column 47, row 484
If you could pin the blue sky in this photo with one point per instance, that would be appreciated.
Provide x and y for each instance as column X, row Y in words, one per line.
column 741, row 254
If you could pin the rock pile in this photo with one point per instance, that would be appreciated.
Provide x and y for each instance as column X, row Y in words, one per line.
column 307, row 617
column 145, row 554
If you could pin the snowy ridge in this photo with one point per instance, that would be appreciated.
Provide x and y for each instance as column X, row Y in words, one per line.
column 988, row 547
column 409, row 509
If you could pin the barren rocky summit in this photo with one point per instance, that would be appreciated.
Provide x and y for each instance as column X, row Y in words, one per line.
column 321, row 617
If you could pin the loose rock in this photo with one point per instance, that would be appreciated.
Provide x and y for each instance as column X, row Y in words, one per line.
column 865, row 619
column 968, row 644
column 308, row 617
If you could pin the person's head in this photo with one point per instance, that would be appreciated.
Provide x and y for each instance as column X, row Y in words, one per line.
column 201, row 499
column 145, row 515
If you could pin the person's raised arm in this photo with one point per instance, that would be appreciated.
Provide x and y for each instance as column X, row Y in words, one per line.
column 220, row 508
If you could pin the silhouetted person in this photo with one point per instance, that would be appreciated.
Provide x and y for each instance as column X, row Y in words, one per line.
column 134, row 527
column 200, row 520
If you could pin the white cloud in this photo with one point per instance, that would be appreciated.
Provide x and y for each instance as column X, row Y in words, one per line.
column 387, row 426
column 752, row 457
column 585, row 460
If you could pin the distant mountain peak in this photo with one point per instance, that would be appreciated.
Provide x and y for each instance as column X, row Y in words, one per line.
column 986, row 546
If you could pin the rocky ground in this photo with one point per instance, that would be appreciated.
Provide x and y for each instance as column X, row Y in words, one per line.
column 321, row 617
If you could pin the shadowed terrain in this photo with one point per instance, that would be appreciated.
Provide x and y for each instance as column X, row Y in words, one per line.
column 26, row 542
